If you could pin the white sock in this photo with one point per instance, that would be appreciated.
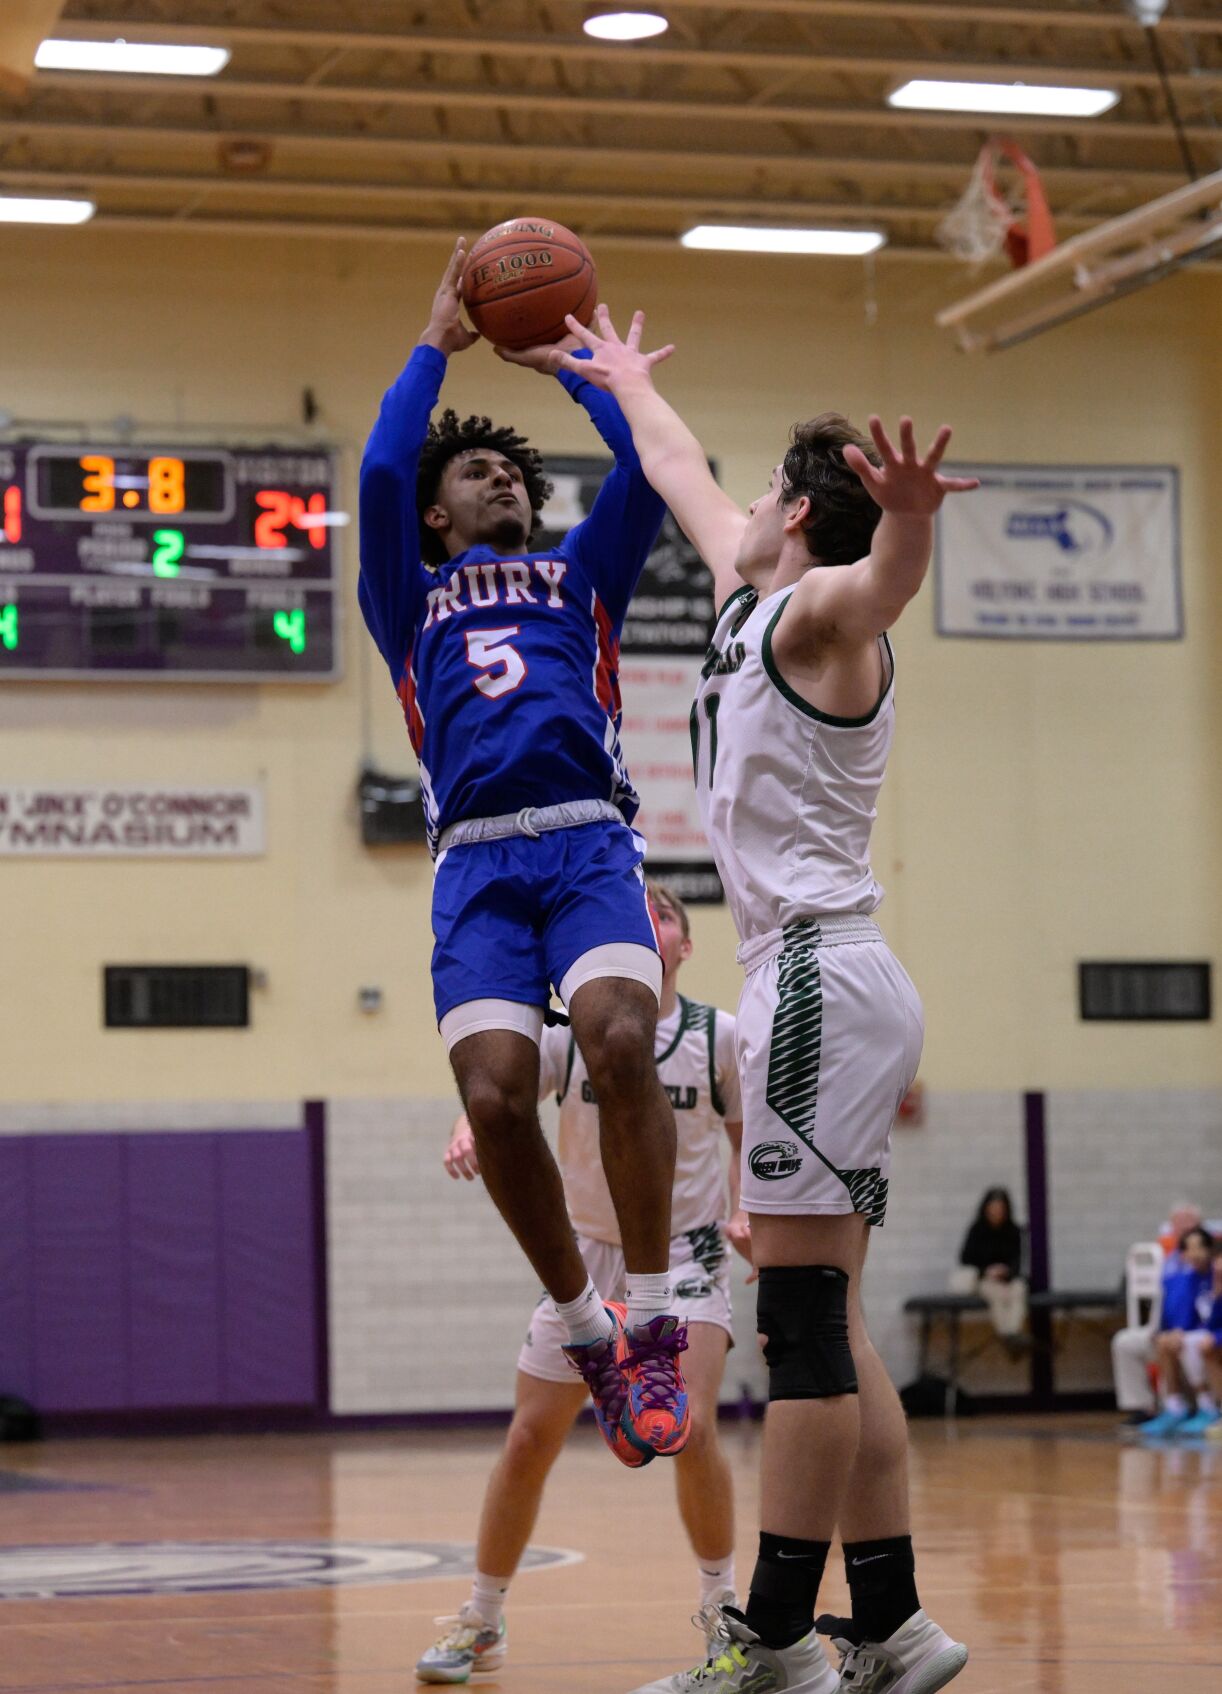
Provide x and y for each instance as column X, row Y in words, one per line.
column 488, row 1597
column 648, row 1296
column 1175, row 1404
column 715, row 1578
column 586, row 1318
column 1207, row 1403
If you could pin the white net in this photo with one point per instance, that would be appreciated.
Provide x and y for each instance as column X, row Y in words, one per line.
column 975, row 227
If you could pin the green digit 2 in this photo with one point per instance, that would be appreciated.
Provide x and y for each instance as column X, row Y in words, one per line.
column 168, row 551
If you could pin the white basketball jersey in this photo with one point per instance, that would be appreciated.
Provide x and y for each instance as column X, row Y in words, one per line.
column 697, row 1068
column 787, row 793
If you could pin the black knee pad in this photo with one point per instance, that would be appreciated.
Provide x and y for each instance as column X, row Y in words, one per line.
column 804, row 1318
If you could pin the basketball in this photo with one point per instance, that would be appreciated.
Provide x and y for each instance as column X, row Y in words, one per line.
column 522, row 277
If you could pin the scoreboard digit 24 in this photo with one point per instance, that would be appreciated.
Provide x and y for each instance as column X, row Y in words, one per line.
column 164, row 564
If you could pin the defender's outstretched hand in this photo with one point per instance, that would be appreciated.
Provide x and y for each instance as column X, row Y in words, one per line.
column 445, row 330
column 905, row 483
column 543, row 359
column 614, row 360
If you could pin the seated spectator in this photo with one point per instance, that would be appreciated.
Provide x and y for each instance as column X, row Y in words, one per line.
column 990, row 1263
column 1180, row 1345
column 1182, row 1217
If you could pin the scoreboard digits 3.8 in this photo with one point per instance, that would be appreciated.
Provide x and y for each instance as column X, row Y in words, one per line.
column 168, row 563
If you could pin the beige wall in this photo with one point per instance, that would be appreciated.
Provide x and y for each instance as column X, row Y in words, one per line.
column 1044, row 803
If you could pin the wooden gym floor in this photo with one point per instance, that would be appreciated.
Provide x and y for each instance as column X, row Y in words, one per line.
column 1071, row 1563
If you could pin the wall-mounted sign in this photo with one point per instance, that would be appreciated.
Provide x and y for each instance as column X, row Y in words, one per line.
column 1061, row 553
column 60, row 820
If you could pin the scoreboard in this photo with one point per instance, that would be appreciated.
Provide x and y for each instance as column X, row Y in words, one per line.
column 166, row 564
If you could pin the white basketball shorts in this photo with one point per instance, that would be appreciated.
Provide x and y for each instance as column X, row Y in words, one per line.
column 829, row 1036
column 699, row 1274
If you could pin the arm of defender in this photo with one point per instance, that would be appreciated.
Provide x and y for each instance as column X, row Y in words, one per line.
column 861, row 601
column 672, row 458
column 614, row 539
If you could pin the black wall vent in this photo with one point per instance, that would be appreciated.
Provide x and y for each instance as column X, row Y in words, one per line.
column 177, row 996
column 392, row 809
column 1128, row 991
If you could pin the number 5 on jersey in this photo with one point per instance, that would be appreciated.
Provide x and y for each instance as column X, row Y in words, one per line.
column 488, row 648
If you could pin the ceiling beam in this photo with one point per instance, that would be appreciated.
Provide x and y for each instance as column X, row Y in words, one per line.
column 950, row 12
column 388, row 194
column 604, row 105
column 651, row 159
column 587, row 51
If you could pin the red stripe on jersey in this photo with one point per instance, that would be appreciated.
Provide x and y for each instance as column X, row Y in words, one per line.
column 411, row 711
column 606, row 671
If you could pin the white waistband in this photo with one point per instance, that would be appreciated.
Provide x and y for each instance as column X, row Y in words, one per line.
column 833, row 930
column 530, row 821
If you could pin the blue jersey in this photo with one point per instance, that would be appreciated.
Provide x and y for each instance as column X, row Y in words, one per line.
column 1185, row 1292
column 507, row 668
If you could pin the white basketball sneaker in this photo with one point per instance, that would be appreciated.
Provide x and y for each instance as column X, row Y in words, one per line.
column 467, row 1644
column 743, row 1665
column 710, row 1621
column 919, row 1658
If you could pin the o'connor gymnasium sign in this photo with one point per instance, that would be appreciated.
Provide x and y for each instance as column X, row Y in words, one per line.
column 63, row 821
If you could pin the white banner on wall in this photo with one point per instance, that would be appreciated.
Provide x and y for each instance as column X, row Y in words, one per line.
column 1064, row 552
column 656, row 738
column 59, row 820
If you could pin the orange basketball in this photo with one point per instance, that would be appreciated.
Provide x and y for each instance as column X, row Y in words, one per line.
column 522, row 277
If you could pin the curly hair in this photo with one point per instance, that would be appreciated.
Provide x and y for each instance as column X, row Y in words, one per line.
column 843, row 516
column 449, row 437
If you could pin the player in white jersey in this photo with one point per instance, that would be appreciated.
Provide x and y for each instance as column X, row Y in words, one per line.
column 696, row 1066
column 791, row 729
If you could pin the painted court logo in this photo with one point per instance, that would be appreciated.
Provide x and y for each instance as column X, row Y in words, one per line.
column 202, row 1567
column 772, row 1160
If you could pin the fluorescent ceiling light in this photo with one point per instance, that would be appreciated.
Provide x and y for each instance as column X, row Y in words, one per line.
column 21, row 209
column 625, row 26
column 142, row 58
column 731, row 238
column 1019, row 99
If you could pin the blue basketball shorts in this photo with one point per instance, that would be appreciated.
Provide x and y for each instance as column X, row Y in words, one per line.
column 512, row 917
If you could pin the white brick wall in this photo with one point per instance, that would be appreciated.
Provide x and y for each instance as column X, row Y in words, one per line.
column 1117, row 1162
column 430, row 1294
column 968, row 1142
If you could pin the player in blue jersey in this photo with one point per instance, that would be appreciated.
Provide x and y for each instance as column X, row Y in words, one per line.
column 506, row 664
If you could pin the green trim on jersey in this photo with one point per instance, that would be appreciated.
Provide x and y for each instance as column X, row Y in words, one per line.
column 719, row 1105
column 685, row 1020
column 795, row 699
column 731, row 598
column 794, row 1057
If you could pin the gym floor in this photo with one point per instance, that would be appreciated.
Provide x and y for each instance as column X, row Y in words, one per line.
column 1071, row 1562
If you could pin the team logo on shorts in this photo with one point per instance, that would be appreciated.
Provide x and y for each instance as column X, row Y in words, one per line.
column 693, row 1288
column 772, row 1160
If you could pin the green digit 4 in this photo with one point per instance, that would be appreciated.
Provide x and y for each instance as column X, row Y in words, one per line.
column 291, row 627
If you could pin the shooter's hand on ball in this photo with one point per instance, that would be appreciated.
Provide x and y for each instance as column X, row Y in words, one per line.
column 615, row 363
column 905, row 484
column 543, row 359
column 445, row 330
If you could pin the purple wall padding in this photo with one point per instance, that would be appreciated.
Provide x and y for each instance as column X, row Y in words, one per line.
column 267, row 1251
column 79, row 1270
column 173, row 1244
column 16, row 1289
column 153, row 1271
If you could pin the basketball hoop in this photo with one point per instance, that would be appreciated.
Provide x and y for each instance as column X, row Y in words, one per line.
column 985, row 221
